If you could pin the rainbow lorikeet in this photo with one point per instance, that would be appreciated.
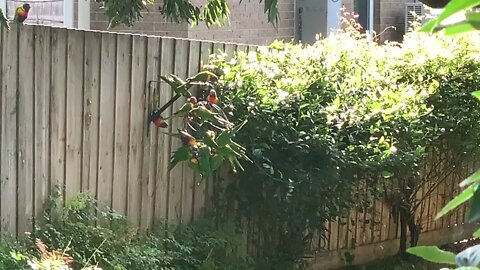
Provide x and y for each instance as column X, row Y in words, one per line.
column 156, row 118
column 212, row 97
column 21, row 13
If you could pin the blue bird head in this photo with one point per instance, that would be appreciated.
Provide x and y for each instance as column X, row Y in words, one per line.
column 26, row 6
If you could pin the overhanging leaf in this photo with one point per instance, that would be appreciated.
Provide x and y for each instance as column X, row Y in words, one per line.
column 433, row 254
column 476, row 94
column 454, row 6
column 475, row 177
column 182, row 154
column 476, row 234
column 458, row 28
column 474, row 213
column 457, row 201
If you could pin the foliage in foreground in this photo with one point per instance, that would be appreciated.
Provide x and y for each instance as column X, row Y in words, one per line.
column 345, row 112
column 115, row 244
column 470, row 257
column 211, row 12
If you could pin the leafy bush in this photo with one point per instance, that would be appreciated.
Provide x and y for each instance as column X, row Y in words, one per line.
column 322, row 119
column 92, row 236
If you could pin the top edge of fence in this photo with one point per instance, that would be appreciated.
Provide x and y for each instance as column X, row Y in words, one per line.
column 144, row 35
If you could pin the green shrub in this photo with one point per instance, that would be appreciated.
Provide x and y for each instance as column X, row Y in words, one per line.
column 92, row 236
column 323, row 118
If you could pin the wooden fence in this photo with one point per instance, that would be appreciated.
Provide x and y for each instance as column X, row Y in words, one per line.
column 73, row 114
column 373, row 231
column 74, row 108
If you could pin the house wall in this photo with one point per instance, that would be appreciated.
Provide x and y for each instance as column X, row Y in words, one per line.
column 152, row 23
column 387, row 13
column 248, row 24
column 392, row 13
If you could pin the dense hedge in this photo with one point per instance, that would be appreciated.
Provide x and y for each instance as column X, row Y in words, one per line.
column 321, row 116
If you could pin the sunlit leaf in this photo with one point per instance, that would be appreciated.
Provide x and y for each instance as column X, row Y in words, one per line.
column 433, row 254
column 474, row 19
column 476, row 94
column 454, row 6
column 475, row 177
column 476, row 234
column 458, row 29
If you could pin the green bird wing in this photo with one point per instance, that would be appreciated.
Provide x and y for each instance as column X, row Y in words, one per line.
column 3, row 20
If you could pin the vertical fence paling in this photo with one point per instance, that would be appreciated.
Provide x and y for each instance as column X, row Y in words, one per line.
column 8, row 132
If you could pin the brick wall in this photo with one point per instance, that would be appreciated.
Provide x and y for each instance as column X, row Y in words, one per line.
column 248, row 24
column 388, row 13
column 152, row 23
column 392, row 13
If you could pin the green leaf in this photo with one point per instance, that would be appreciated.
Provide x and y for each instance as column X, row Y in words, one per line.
column 433, row 254
column 204, row 162
column 458, row 29
column 476, row 234
column 216, row 162
column 476, row 94
column 474, row 19
column 457, row 201
column 182, row 154
column 238, row 127
column 224, row 138
column 474, row 213
column 209, row 141
column 475, row 177
column 454, row 6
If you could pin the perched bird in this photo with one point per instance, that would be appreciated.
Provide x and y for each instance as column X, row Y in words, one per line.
column 212, row 97
column 157, row 119
column 21, row 13
column 187, row 139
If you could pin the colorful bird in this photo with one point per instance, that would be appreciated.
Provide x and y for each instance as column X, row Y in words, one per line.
column 212, row 97
column 157, row 119
column 193, row 100
column 187, row 139
column 194, row 161
column 21, row 13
